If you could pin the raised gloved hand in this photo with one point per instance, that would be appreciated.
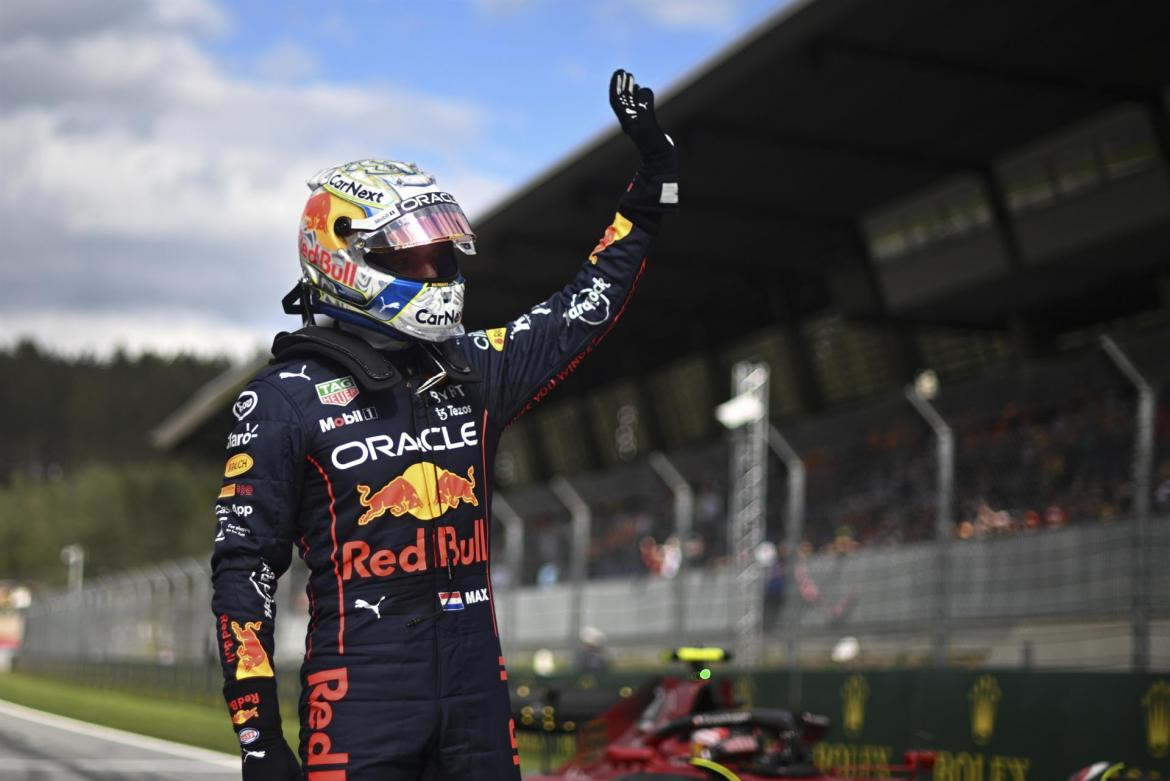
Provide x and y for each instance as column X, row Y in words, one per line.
column 654, row 189
column 634, row 106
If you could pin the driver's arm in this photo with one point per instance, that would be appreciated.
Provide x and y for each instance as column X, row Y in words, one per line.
column 255, row 513
column 528, row 357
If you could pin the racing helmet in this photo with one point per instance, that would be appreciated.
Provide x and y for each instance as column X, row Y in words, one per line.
column 355, row 226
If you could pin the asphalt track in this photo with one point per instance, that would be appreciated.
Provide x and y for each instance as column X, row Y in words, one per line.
column 41, row 746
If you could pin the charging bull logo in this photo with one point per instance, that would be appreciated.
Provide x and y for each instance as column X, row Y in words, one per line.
column 424, row 490
column 253, row 661
column 316, row 216
column 615, row 232
column 241, row 716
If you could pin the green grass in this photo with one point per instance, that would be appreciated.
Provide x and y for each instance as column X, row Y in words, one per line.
column 183, row 722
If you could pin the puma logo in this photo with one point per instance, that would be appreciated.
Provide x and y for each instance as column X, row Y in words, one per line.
column 376, row 607
column 258, row 754
column 301, row 374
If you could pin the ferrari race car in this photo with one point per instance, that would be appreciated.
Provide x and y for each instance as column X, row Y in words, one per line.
column 680, row 728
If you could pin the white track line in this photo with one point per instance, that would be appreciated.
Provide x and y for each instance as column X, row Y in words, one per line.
column 186, row 767
column 118, row 736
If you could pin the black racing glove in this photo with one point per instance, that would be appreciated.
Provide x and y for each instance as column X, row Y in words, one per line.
column 654, row 189
column 634, row 106
column 255, row 715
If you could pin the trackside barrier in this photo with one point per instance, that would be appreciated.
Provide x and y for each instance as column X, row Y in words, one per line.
column 985, row 724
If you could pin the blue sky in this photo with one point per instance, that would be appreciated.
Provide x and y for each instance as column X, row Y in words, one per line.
column 163, row 144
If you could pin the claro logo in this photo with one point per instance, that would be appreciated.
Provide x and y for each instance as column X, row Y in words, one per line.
column 358, row 452
column 326, row 686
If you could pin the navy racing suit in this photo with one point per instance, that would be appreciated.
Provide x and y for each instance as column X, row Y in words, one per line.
column 386, row 495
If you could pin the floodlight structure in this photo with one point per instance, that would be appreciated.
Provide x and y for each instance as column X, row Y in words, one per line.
column 746, row 416
column 920, row 395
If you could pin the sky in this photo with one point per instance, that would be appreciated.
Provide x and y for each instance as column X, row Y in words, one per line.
column 154, row 152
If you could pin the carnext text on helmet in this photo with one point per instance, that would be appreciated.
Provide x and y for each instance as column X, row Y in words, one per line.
column 351, row 187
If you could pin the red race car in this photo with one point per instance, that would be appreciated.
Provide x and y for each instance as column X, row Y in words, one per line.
column 681, row 728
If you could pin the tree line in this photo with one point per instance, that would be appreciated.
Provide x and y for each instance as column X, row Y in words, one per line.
column 76, row 466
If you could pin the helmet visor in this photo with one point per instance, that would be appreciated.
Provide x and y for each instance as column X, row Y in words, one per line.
column 435, row 222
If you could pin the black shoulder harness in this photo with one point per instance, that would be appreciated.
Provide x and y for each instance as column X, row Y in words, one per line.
column 350, row 351
column 357, row 355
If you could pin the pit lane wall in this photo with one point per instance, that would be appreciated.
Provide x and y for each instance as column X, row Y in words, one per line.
column 986, row 725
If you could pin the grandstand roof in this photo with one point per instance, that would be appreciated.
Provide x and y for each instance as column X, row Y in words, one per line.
column 827, row 111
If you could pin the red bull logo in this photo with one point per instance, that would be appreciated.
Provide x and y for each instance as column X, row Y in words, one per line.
column 253, row 659
column 225, row 640
column 315, row 254
column 245, row 707
column 325, row 688
column 318, row 244
column 359, row 560
column 424, row 490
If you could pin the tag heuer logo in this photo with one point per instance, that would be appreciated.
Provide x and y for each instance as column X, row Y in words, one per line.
column 339, row 392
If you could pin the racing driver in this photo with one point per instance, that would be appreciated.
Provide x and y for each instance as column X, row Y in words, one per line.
column 368, row 443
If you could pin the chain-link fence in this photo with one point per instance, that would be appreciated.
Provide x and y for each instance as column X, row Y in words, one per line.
column 1051, row 551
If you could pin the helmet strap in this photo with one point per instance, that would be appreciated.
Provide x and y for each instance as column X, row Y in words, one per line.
column 296, row 302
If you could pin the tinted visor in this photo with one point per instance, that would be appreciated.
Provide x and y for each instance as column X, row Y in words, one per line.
column 435, row 222
column 429, row 262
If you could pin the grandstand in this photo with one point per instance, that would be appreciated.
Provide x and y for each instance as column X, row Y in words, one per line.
column 870, row 190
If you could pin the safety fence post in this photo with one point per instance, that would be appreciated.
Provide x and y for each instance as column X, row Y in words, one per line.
column 684, row 514
column 1143, row 462
column 793, row 534
column 513, row 557
column 582, row 520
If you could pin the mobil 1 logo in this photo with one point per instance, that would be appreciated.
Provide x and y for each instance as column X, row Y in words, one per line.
column 347, row 419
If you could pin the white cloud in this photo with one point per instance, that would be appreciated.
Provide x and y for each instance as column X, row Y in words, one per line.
column 137, row 171
column 676, row 14
column 65, row 19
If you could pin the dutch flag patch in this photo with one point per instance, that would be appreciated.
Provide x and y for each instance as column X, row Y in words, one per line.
column 451, row 601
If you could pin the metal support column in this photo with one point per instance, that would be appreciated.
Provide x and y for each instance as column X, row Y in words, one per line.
column 793, row 534
column 746, row 415
column 684, row 515
column 582, row 520
column 513, row 538
column 919, row 395
column 1143, row 461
